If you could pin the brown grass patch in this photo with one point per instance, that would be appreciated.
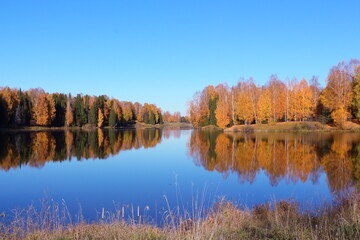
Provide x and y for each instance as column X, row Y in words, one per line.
column 281, row 220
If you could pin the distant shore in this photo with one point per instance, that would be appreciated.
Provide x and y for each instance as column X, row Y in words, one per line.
column 274, row 127
column 87, row 127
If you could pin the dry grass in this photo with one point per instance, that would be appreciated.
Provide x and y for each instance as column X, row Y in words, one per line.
column 281, row 127
column 351, row 126
column 210, row 127
column 177, row 125
column 280, row 220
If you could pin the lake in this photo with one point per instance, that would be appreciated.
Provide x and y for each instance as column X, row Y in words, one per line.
column 155, row 170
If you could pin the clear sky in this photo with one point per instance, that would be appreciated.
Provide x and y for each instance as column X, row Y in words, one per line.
column 162, row 52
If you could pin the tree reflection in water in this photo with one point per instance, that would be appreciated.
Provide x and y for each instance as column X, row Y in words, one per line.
column 290, row 157
column 282, row 156
column 36, row 148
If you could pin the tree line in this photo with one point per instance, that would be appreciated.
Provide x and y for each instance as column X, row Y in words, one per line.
column 36, row 107
column 277, row 100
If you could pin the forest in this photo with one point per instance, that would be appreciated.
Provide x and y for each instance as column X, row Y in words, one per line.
column 222, row 106
column 35, row 107
column 281, row 101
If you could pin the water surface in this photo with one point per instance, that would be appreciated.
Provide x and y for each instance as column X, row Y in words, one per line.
column 98, row 169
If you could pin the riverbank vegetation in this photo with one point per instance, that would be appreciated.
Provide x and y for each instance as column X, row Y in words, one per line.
column 281, row 101
column 35, row 107
column 305, row 126
column 273, row 220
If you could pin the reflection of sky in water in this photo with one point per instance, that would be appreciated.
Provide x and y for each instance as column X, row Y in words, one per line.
column 142, row 177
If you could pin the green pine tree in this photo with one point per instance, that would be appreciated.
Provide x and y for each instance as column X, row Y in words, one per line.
column 356, row 91
column 112, row 118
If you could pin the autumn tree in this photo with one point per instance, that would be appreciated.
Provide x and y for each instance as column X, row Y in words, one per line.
column 151, row 114
column 176, row 117
column 107, row 106
column 100, row 118
column 167, row 116
column 198, row 109
column 18, row 108
column 315, row 95
column 254, row 95
column 127, row 111
column 116, row 107
column 243, row 104
column 291, row 100
column 337, row 95
column 212, row 103
column 69, row 115
column 223, row 110
column 356, row 92
column 11, row 101
column 264, row 106
column 44, row 109
column 138, row 111
column 304, row 96
column 277, row 94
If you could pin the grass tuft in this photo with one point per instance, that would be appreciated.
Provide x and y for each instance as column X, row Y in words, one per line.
column 274, row 220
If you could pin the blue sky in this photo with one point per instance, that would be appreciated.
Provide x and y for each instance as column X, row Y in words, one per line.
column 162, row 52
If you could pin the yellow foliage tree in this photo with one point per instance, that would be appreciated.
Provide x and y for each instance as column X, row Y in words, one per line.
column 127, row 112
column 69, row 115
column 198, row 109
column 277, row 90
column 44, row 109
column 264, row 106
column 244, row 106
column 100, row 118
column 223, row 111
column 337, row 96
column 304, row 97
column 117, row 108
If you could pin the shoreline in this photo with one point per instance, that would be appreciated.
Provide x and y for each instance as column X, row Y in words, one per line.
column 225, row 220
column 294, row 127
column 269, row 127
column 124, row 127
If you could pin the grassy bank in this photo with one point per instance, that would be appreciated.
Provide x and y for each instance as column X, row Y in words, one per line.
column 280, row 220
column 293, row 127
column 166, row 125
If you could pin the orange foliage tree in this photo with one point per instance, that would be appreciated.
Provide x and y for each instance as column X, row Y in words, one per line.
column 244, row 107
column 69, row 115
column 223, row 110
column 264, row 106
column 304, row 97
column 278, row 95
column 44, row 109
column 337, row 95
